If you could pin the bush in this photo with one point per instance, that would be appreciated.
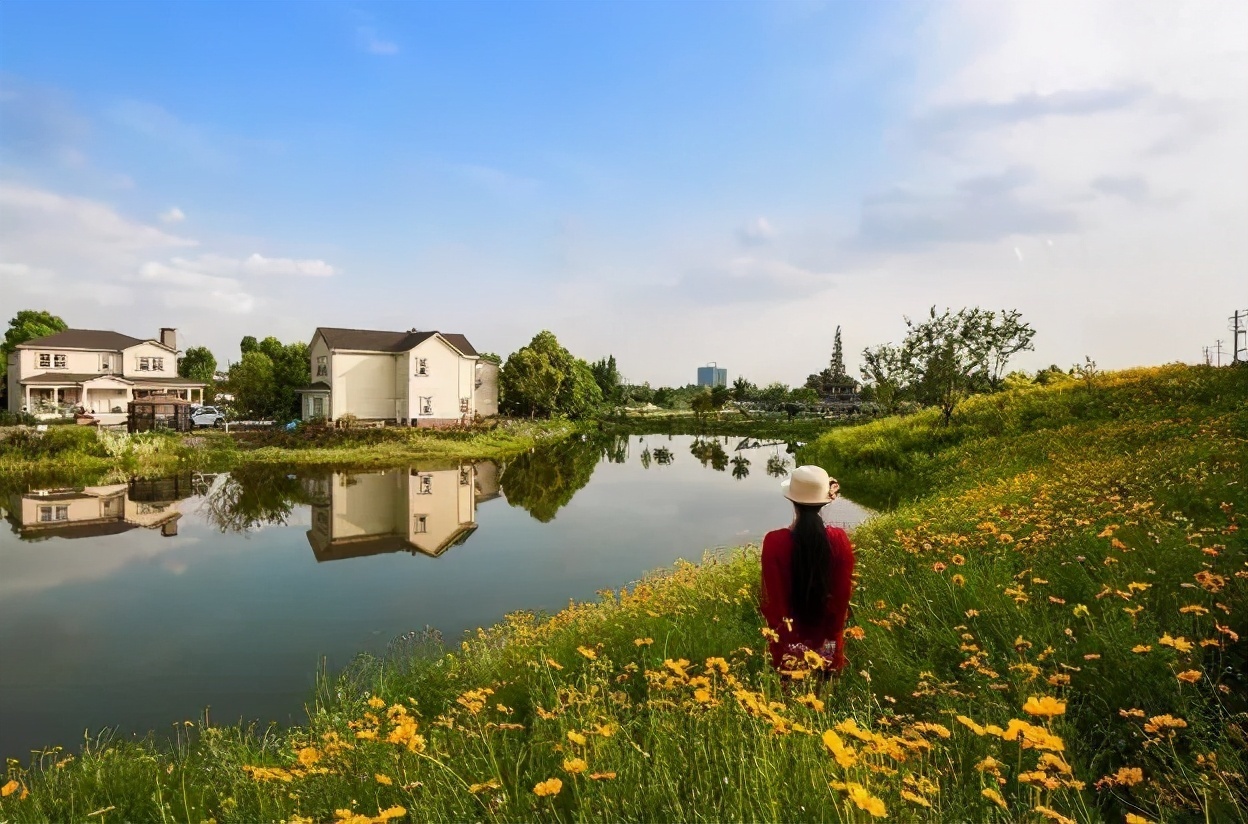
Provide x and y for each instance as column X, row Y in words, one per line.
column 16, row 418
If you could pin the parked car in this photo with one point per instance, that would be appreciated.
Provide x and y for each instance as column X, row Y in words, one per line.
column 207, row 416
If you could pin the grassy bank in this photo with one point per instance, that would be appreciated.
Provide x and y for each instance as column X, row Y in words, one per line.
column 1049, row 626
column 69, row 454
column 727, row 423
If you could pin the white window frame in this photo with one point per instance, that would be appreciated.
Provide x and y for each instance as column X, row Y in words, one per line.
column 45, row 514
column 422, row 367
column 158, row 364
column 45, row 360
column 426, row 405
column 106, row 363
column 60, row 361
column 144, row 364
column 322, row 366
column 426, row 485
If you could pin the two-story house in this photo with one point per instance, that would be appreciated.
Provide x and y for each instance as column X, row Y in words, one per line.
column 96, row 370
column 414, row 378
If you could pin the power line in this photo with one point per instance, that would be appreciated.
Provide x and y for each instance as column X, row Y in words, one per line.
column 1237, row 326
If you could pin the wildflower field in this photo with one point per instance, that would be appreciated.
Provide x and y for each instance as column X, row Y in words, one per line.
column 1047, row 625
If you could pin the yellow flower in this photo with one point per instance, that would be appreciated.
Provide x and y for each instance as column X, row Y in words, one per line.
column 1128, row 776
column 9, row 788
column 1141, row 648
column 717, row 664
column 1181, row 644
column 1047, row 706
column 602, row 776
column 866, row 801
column 845, row 756
column 1190, row 677
column 643, row 642
column 1132, row 818
column 957, row 560
column 309, row 756
column 587, row 652
column 1079, row 610
column 995, row 797
column 492, row 784
column 702, row 695
column 915, row 798
column 811, row 701
column 376, row 703
column 606, row 730
column 1053, row 815
column 383, row 779
column 551, row 786
column 576, row 738
column 958, row 580
column 391, row 812
column 553, row 664
column 970, row 724
column 574, row 766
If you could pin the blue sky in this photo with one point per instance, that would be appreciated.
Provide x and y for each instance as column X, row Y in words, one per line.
column 672, row 183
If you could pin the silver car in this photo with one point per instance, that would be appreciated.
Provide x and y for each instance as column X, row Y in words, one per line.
column 207, row 416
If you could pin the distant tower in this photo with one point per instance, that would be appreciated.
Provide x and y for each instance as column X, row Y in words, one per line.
column 711, row 375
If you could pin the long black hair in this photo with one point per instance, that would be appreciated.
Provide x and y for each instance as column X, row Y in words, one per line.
column 810, row 561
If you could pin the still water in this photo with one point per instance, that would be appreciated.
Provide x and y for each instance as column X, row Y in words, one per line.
column 137, row 605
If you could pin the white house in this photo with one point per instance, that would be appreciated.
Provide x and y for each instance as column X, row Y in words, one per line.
column 414, row 378
column 97, row 370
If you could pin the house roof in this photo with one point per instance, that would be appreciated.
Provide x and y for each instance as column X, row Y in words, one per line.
column 319, row 386
column 63, row 378
column 374, row 340
column 85, row 339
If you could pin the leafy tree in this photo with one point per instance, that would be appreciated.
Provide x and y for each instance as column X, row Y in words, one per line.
column 740, row 467
column 774, row 394
column 492, row 358
column 543, row 481
column 291, row 371
column 884, row 369
column 198, row 364
column 702, row 403
column 249, row 344
column 719, row 397
column 251, row 382
column 640, row 394
column 607, row 376
column 27, row 324
column 743, row 390
column 952, row 355
column 544, row 379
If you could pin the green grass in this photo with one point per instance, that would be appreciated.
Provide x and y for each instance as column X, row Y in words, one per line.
column 1034, row 544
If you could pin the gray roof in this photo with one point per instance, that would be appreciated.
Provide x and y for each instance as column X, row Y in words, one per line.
column 66, row 378
column 373, row 340
column 85, row 339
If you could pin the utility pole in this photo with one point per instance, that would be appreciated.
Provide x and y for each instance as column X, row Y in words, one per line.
column 1204, row 354
column 1237, row 327
column 1218, row 350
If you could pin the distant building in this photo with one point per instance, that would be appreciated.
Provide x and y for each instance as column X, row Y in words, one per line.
column 711, row 375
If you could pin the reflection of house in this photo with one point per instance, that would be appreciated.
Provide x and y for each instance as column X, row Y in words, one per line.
column 97, row 370
column 397, row 510
column 416, row 378
column 100, row 510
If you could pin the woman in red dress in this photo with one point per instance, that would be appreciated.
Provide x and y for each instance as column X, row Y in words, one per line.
column 807, row 577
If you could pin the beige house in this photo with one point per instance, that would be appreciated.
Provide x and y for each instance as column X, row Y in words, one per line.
column 397, row 510
column 94, row 511
column 97, row 370
column 414, row 378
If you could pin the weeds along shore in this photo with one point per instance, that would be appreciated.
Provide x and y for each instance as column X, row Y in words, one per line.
column 1048, row 624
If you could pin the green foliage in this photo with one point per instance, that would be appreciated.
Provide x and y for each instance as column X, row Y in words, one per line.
column 743, row 390
column 543, row 481
column 833, row 378
column 607, row 376
column 198, row 364
column 544, row 379
column 265, row 381
column 26, row 325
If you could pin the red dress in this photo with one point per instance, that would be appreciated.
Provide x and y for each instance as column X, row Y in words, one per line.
column 777, row 577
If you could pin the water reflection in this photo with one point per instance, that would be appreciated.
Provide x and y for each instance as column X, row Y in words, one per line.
column 108, row 509
column 427, row 511
column 543, row 481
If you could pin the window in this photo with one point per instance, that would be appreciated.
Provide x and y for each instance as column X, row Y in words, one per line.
column 59, row 361
column 158, row 364
column 426, row 485
column 422, row 366
column 465, row 475
column 426, row 406
column 47, row 514
column 318, row 407
column 145, row 364
column 422, row 523
column 106, row 363
column 45, row 360
column 322, row 365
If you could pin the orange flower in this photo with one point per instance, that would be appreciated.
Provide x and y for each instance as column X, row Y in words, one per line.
column 939, row 566
column 1047, row 706
column 1190, row 677
column 551, row 786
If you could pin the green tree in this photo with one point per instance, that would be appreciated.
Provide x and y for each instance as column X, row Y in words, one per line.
column 702, row 403
column 719, row 397
column 607, row 376
column 544, row 379
column 291, row 371
column 743, row 390
column 249, row 344
column 198, row 364
column 251, row 382
column 885, row 372
column 543, row 481
column 26, row 325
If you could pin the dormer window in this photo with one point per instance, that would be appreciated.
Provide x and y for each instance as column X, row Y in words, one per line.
column 322, row 366
column 422, row 366
column 158, row 364
column 145, row 364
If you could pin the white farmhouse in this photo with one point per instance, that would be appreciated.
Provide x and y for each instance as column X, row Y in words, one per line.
column 97, row 370
column 413, row 378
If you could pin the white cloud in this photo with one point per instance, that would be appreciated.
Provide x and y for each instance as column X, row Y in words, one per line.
column 756, row 233
column 257, row 264
column 373, row 44
column 173, row 215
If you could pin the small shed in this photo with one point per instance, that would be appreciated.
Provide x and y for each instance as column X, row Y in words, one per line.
column 159, row 412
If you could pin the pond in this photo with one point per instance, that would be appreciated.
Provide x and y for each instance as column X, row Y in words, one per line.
column 138, row 605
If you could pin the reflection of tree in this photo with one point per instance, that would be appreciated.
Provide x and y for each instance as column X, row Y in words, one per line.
column 616, row 449
column 777, row 466
column 543, row 481
column 645, row 458
column 253, row 496
column 662, row 456
column 740, row 467
column 710, row 452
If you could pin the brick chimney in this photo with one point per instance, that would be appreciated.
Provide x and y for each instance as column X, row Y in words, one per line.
column 169, row 337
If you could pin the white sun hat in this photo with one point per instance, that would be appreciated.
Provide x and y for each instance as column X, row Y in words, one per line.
column 810, row 485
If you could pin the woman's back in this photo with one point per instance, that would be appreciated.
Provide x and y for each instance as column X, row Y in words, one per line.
column 778, row 602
